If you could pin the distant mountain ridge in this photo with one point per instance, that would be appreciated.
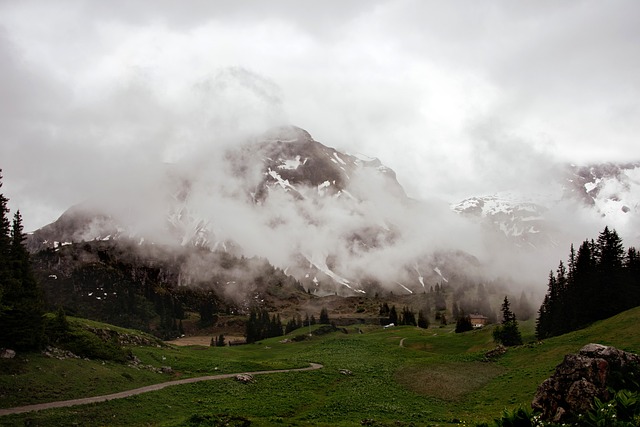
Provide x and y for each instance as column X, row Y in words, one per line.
column 282, row 171
column 336, row 221
column 611, row 191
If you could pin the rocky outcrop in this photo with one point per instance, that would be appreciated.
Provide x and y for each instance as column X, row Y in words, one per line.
column 122, row 338
column 58, row 353
column 244, row 378
column 7, row 353
column 582, row 377
column 495, row 354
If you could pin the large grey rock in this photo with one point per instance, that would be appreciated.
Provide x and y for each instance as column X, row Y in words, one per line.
column 244, row 378
column 582, row 377
column 7, row 353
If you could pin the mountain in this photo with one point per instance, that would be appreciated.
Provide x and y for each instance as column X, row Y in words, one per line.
column 609, row 193
column 338, row 223
column 332, row 220
column 613, row 190
column 511, row 217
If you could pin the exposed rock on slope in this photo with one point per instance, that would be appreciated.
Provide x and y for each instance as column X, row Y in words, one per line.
column 582, row 377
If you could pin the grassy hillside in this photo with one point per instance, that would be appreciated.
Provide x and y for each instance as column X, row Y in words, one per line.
column 435, row 377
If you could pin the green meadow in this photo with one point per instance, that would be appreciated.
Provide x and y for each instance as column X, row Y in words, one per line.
column 435, row 378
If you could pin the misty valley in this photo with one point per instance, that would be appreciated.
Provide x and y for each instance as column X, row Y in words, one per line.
column 285, row 282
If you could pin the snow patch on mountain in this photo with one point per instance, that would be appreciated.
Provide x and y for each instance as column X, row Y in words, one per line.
column 319, row 261
column 437, row 270
column 338, row 158
column 284, row 183
column 405, row 288
column 612, row 189
column 291, row 164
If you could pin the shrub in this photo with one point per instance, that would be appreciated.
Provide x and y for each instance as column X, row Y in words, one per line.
column 82, row 342
column 463, row 324
column 85, row 344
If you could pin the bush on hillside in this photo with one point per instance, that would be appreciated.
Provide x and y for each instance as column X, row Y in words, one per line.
column 60, row 333
column 463, row 324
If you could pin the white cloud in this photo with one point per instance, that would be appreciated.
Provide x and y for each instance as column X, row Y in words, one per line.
column 450, row 95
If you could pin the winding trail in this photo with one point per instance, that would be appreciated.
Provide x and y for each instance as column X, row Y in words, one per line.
column 136, row 391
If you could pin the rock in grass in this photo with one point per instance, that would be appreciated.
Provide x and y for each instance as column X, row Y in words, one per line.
column 7, row 353
column 580, row 378
column 244, row 378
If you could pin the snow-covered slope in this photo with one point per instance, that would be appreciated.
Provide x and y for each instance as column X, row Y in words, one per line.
column 512, row 216
column 612, row 189
column 609, row 193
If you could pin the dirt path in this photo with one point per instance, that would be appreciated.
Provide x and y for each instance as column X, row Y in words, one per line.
column 153, row 387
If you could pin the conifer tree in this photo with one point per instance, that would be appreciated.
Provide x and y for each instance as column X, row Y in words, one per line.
column 22, row 322
column 602, row 280
column 393, row 315
column 5, row 244
column 507, row 333
column 407, row 317
column 423, row 320
column 324, row 316
column 463, row 324
column 220, row 341
column 260, row 326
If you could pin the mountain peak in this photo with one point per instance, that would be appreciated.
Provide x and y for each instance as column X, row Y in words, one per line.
column 287, row 133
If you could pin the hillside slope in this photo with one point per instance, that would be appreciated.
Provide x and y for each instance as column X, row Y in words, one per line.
column 404, row 375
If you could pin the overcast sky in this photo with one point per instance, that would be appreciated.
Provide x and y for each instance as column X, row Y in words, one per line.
column 459, row 97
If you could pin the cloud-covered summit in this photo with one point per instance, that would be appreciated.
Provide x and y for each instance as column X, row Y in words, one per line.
column 478, row 96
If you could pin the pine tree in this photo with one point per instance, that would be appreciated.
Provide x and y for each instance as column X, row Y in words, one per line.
column 22, row 322
column 384, row 309
column 507, row 333
column 220, row 341
column 463, row 324
column 393, row 315
column 507, row 314
column 632, row 266
column 407, row 317
column 5, row 244
column 324, row 316
column 602, row 280
column 423, row 320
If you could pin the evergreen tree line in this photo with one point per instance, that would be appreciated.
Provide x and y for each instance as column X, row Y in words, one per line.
column 600, row 280
column 260, row 325
column 21, row 306
column 389, row 315
column 297, row 322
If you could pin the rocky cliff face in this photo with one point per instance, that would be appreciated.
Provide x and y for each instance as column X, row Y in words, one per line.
column 580, row 378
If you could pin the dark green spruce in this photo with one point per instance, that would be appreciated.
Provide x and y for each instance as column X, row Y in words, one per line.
column 21, row 306
column 599, row 281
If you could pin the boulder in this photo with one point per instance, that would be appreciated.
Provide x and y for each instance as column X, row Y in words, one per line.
column 244, row 378
column 7, row 353
column 495, row 353
column 580, row 378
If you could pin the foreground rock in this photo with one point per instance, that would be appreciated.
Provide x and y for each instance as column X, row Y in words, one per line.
column 7, row 353
column 582, row 377
column 244, row 378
